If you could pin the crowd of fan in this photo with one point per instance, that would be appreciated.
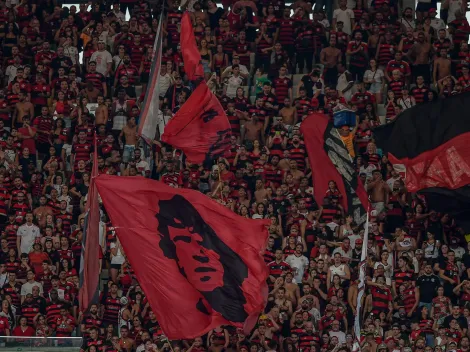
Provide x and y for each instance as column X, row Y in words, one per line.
column 70, row 73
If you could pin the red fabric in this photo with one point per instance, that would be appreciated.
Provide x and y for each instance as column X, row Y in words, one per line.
column 445, row 166
column 29, row 142
column 27, row 333
column 200, row 128
column 191, row 55
column 91, row 268
column 323, row 169
column 199, row 263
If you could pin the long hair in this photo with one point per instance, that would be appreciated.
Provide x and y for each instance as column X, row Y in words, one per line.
column 229, row 299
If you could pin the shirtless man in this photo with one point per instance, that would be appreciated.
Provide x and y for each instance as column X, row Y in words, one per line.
column 101, row 112
column 288, row 113
column 260, row 192
column 284, row 163
column 330, row 57
column 296, row 173
column 253, row 129
column 40, row 213
column 129, row 131
column 378, row 191
column 419, row 55
column 352, row 295
column 285, row 305
column 22, row 108
column 442, row 66
column 292, row 290
column 198, row 14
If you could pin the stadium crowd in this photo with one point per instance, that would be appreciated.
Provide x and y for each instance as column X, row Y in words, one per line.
column 69, row 73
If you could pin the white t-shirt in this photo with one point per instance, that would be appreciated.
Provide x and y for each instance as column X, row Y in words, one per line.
column 375, row 76
column 351, row 4
column 142, row 167
column 28, row 235
column 344, row 16
column 27, row 288
column 164, row 82
column 343, row 82
column 68, row 199
column 344, row 254
column 232, row 84
column 118, row 258
column 406, row 103
column 408, row 23
column 117, row 61
column 340, row 335
column 120, row 16
column 392, row 180
column 438, row 23
column 298, row 264
column 102, row 59
column 454, row 6
column 11, row 72
column 72, row 53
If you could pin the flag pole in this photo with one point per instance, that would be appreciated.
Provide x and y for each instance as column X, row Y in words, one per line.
column 361, row 285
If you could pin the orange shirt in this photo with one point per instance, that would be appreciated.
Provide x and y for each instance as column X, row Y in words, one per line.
column 348, row 142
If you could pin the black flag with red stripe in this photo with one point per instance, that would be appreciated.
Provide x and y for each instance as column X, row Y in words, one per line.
column 432, row 142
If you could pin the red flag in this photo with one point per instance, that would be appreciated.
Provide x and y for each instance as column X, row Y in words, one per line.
column 198, row 262
column 91, row 244
column 330, row 161
column 200, row 128
column 191, row 55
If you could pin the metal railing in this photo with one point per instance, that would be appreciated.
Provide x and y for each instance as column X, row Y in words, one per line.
column 40, row 344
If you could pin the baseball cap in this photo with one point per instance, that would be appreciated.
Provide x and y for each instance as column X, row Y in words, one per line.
column 358, row 241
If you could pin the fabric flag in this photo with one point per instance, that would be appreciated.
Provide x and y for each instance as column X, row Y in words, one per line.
column 89, row 265
column 362, row 281
column 199, row 263
column 430, row 142
column 151, row 107
column 330, row 161
column 189, row 50
column 200, row 128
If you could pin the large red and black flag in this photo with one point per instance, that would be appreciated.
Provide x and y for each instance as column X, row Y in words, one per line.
column 199, row 263
column 432, row 141
column 89, row 263
column 330, row 161
column 200, row 128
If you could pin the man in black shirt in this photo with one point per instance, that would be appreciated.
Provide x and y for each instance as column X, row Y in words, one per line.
column 457, row 315
column 427, row 285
